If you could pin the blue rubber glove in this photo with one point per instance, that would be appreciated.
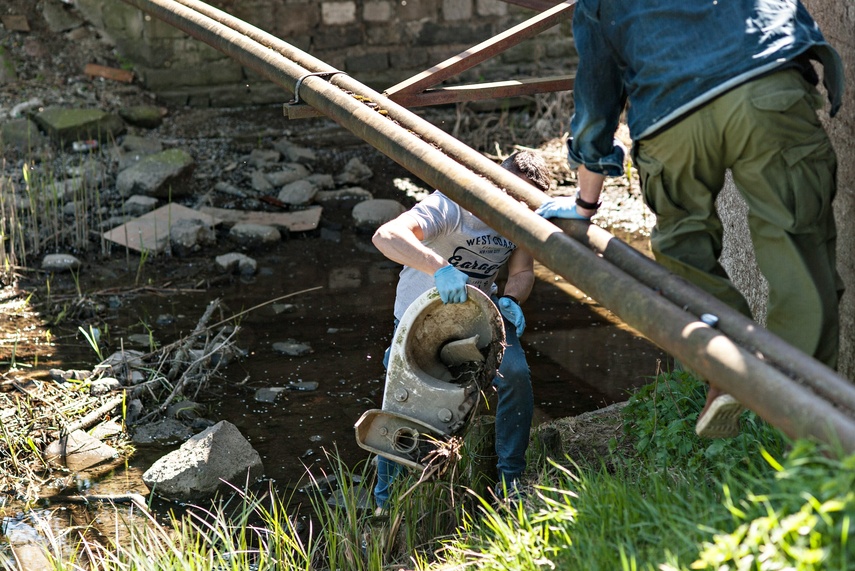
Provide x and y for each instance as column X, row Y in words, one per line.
column 451, row 284
column 513, row 313
column 561, row 207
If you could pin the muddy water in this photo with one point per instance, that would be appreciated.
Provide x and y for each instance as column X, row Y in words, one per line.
column 580, row 360
column 343, row 291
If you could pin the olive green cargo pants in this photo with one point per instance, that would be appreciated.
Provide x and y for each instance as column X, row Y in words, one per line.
column 768, row 134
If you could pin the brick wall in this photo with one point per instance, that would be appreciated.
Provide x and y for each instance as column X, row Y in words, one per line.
column 378, row 42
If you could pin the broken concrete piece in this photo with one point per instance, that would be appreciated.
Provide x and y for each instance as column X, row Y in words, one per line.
column 79, row 451
column 151, row 231
column 299, row 221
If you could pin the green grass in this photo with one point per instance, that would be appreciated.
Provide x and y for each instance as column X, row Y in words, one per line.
column 662, row 500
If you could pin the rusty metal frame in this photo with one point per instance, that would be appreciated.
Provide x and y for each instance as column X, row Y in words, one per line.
column 418, row 91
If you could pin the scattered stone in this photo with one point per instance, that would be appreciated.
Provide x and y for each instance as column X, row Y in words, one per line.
column 284, row 308
column 190, row 235
column 60, row 263
column 23, row 134
column 136, row 377
column 292, row 348
column 58, row 17
column 269, row 394
column 164, row 432
column 140, row 339
column 137, row 205
column 103, row 386
column 344, row 197
column 106, row 429
column 355, row 171
column 298, row 193
column 260, row 182
column 61, row 376
column 294, row 153
column 237, row 262
column 304, row 386
column 322, row 181
column 261, row 158
column 229, row 189
column 162, row 175
column 134, row 411
column 254, row 235
column 79, row 451
column 204, row 464
column 290, row 172
column 133, row 149
column 120, row 363
column 145, row 116
column 165, row 319
column 369, row 215
column 66, row 126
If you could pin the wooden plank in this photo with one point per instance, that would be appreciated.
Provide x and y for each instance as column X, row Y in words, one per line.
column 95, row 70
column 150, row 232
column 295, row 221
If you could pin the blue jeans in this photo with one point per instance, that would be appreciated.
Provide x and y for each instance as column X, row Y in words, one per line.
column 514, row 411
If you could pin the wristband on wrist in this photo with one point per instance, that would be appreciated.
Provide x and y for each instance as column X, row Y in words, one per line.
column 512, row 298
column 585, row 204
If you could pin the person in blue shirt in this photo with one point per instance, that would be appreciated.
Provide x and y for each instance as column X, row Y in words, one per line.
column 709, row 87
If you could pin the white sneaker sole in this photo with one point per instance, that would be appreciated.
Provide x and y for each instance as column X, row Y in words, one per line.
column 721, row 419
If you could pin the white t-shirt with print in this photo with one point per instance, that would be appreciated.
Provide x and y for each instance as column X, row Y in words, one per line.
column 462, row 240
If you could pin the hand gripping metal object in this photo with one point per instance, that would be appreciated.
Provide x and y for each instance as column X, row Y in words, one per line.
column 443, row 356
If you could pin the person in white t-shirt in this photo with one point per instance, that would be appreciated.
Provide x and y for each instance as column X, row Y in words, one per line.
column 444, row 246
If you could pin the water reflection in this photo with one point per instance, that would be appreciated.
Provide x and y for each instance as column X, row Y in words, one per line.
column 580, row 360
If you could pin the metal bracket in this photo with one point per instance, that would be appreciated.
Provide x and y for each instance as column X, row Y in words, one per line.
column 321, row 74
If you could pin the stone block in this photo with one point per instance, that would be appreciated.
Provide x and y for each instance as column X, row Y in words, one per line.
column 491, row 7
column 337, row 38
column 296, row 20
column 454, row 10
column 338, row 13
column 377, row 11
column 409, row 10
column 367, row 62
column 449, row 35
column 409, row 59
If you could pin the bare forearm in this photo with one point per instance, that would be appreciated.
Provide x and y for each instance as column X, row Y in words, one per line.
column 590, row 187
column 519, row 285
column 399, row 244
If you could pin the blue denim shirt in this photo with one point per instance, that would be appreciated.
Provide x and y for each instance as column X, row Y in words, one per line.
column 668, row 57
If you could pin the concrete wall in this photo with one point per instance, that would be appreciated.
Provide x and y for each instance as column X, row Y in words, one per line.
column 378, row 42
column 837, row 20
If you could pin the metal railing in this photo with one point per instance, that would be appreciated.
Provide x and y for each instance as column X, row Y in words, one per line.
column 786, row 387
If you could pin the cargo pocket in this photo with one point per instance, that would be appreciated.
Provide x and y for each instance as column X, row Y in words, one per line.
column 653, row 186
column 778, row 100
column 812, row 180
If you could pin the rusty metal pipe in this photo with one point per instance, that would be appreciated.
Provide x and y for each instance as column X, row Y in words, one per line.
column 787, row 405
column 745, row 331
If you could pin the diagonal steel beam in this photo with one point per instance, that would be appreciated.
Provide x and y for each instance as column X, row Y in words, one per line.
column 483, row 51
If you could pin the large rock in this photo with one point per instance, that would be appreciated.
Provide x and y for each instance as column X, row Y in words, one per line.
column 65, row 126
column 369, row 215
column 202, row 465
column 160, row 175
